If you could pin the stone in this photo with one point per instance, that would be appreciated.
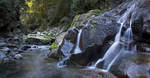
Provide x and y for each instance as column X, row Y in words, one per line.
column 6, row 60
column 2, row 56
column 54, row 55
column 135, row 67
column 95, row 36
column 39, row 39
column 18, row 56
column 24, row 47
column 141, row 23
column 5, row 49
column 3, row 44
column 143, row 47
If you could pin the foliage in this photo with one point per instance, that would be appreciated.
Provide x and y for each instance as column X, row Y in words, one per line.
column 42, row 13
column 36, row 13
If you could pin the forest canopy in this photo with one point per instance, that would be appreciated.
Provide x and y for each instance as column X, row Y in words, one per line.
column 44, row 13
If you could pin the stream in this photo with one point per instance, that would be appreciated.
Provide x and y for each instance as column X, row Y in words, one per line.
column 35, row 64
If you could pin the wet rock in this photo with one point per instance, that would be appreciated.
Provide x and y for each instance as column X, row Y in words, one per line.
column 5, row 49
column 11, row 45
column 13, row 41
column 86, row 57
column 133, row 67
column 12, row 53
column 141, row 22
column 39, row 39
column 143, row 47
column 2, row 56
column 96, row 29
column 24, row 47
column 97, row 74
column 54, row 55
column 18, row 56
column 6, row 60
column 2, row 44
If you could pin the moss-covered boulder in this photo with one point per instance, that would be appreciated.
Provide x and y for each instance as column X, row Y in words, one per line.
column 83, row 18
column 39, row 39
column 98, row 29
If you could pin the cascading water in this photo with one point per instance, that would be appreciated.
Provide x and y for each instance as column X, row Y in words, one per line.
column 77, row 48
column 115, row 50
column 67, row 55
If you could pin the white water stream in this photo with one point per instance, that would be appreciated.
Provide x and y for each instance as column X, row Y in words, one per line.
column 114, row 51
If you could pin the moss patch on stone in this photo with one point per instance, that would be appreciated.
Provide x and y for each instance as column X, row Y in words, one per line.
column 75, row 21
column 54, row 45
column 54, row 55
column 81, row 19
column 39, row 39
column 93, row 22
column 49, row 37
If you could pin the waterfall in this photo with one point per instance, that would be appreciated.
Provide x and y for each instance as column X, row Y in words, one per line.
column 114, row 51
column 77, row 48
column 62, row 64
column 67, row 49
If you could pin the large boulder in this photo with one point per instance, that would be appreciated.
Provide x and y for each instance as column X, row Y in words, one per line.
column 133, row 66
column 98, row 30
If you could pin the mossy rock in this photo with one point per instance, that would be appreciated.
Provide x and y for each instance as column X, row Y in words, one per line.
column 39, row 39
column 78, row 19
column 54, row 45
column 54, row 55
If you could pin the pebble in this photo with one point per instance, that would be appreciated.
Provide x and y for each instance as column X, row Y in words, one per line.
column 18, row 56
column 6, row 60
column 5, row 49
column 2, row 56
column 2, row 43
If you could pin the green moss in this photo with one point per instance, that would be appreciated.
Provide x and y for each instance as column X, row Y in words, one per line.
column 77, row 17
column 93, row 22
column 97, row 11
column 75, row 21
column 54, row 45
column 54, row 55
column 48, row 37
column 74, row 24
column 94, row 12
column 65, row 28
column 39, row 39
